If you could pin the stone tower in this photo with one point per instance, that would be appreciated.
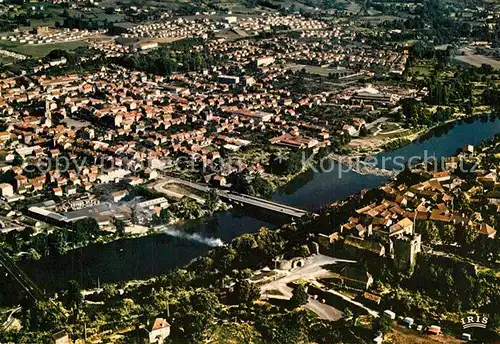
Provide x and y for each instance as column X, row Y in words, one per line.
column 405, row 251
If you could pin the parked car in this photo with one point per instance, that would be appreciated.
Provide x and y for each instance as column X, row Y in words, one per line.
column 466, row 336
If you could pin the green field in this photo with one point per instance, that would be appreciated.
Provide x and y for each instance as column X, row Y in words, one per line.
column 422, row 69
column 7, row 60
column 41, row 50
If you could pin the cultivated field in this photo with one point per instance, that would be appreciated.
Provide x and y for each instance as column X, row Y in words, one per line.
column 41, row 50
column 478, row 60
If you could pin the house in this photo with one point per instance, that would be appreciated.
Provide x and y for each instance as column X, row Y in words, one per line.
column 6, row 189
column 4, row 136
column 160, row 331
column 61, row 337
column 371, row 95
column 379, row 338
column 103, row 221
column 148, row 45
column 71, row 190
column 404, row 226
column 150, row 174
column 371, row 298
column 327, row 243
column 20, row 181
column 118, row 195
column 487, row 231
column 354, row 245
column 219, row 180
column 264, row 61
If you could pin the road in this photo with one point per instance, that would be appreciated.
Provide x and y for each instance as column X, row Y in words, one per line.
column 10, row 318
column 369, row 310
column 376, row 122
column 28, row 285
column 312, row 269
column 19, row 275
column 233, row 196
column 324, row 311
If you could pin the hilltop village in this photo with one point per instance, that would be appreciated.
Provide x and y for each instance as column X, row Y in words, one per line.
column 122, row 122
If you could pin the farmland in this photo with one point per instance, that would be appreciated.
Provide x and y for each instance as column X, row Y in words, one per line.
column 40, row 50
column 478, row 60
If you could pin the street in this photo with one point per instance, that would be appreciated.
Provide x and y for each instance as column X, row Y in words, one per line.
column 312, row 269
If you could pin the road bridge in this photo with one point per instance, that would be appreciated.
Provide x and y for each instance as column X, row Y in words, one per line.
column 236, row 197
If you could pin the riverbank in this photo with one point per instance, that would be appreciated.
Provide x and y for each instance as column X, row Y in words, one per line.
column 59, row 241
column 143, row 256
column 360, row 148
column 376, row 144
column 150, row 255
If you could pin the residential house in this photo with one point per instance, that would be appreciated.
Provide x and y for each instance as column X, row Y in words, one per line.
column 159, row 332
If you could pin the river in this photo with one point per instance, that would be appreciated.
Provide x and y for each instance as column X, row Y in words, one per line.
column 143, row 257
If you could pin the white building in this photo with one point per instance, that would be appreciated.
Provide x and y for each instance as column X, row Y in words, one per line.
column 159, row 332
column 148, row 45
column 231, row 19
column 265, row 61
column 6, row 190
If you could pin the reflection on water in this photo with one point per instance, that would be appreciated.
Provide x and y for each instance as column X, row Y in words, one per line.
column 445, row 140
column 156, row 254
column 140, row 258
column 298, row 182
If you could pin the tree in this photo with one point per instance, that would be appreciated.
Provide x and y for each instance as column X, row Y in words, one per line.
column 286, row 165
column 243, row 333
column 212, row 200
column 262, row 187
column 239, row 182
column 465, row 236
column 299, row 295
column 224, row 256
column 185, row 209
column 363, row 132
column 109, row 291
column 176, row 278
column 43, row 316
column 85, row 229
column 412, row 110
column 291, row 327
column 385, row 324
column 165, row 215
column 120, row 227
column 446, row 232
column 245, row 292
column 303, row 251
column 194, row 313
column 429, row 231
column 74, row 297
column 269, row 243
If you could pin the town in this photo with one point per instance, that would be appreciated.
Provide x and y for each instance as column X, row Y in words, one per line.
column 229, row 173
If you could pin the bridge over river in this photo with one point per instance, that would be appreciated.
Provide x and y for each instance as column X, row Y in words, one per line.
column 235, row 197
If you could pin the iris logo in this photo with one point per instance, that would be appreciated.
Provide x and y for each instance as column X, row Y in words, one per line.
column 474, row 321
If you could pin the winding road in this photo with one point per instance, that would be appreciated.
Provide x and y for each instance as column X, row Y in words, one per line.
column 312, row 269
